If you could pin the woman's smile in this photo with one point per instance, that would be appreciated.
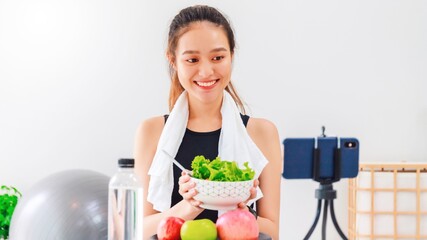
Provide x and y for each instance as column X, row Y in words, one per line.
column 207, row 84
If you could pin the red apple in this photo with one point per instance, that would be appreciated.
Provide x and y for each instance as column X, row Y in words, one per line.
column 237, row 224
column 169, row 228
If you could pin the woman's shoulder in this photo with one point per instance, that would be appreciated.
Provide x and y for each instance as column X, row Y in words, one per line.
column 151, row 127
column 265, row 135
column 157, row 121
column 261, row 126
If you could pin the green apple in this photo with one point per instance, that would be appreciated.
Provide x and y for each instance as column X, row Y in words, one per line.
column 200, row 229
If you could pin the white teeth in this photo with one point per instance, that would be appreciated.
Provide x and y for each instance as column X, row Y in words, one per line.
column 206, row 84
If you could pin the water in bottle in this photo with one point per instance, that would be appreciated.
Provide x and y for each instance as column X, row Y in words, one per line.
column 125, row 203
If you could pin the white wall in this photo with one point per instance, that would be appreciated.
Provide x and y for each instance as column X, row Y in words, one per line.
column 76, row 78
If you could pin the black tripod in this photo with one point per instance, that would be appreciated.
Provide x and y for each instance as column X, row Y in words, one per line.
column 325, row 192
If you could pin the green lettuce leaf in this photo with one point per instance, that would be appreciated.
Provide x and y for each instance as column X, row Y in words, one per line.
column 220, row 170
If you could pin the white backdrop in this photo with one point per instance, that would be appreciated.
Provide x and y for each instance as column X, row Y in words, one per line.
column 76, row 78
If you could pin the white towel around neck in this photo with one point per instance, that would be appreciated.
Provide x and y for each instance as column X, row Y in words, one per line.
column 234, row 145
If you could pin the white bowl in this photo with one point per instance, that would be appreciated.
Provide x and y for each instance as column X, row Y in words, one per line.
column 216, row 195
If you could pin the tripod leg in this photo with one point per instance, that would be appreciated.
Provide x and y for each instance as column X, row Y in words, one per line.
column 325, row 217
column 316, row 219
column 334, row 220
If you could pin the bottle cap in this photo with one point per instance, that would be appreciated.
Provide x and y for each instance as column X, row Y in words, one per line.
column 126, row 162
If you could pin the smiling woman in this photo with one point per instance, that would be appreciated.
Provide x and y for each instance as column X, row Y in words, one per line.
column 210, row 41
column 206, row 118
column 76, row 77
column 204, row 72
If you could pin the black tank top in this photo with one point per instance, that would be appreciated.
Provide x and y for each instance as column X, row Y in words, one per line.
column 193, row 144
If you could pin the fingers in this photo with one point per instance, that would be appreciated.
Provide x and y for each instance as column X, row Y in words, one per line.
column 256, row 183
column 253, row 191
column 189, row 196
column 253, row 194
column 184, row 178
column 242, row 206
column 187, row 190
column 195, row 203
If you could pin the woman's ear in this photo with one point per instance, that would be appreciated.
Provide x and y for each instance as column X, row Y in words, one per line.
column 171, row 60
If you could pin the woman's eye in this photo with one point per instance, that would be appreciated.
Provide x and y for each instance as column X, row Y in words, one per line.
column 218, row 58
column 192, row 60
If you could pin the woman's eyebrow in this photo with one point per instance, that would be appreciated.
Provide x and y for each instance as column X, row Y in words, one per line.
column 190, row 52
column 220, row 49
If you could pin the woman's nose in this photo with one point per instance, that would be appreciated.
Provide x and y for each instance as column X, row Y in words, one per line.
column 205, row 69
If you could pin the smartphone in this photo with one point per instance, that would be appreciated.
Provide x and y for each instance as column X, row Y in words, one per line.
column 298, row 157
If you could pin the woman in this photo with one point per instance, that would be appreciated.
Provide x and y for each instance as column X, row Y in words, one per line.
column 200, row 53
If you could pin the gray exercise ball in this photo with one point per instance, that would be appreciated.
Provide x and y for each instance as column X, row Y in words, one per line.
column 67, row 205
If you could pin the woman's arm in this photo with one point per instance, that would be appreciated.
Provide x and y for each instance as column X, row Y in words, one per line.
column 265, row 135
column 146, row 140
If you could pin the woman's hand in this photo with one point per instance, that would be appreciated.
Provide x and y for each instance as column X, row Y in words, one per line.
column 243, row 205
column 187, row 190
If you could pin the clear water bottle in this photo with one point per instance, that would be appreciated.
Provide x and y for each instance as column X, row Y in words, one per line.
column 125, row 210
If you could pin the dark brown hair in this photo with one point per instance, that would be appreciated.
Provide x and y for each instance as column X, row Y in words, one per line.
column 180, row 25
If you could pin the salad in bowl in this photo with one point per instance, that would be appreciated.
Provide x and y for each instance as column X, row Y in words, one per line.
column 221, row 184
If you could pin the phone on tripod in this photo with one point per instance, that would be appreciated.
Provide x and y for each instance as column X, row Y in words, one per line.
column 299, row 155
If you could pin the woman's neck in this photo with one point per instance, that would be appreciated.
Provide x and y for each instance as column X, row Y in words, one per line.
column 204, row 117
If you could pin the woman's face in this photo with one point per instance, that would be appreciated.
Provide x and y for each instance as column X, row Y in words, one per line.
column 203, row 61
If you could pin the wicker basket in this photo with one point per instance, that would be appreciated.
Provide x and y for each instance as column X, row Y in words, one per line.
column 388, row 201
